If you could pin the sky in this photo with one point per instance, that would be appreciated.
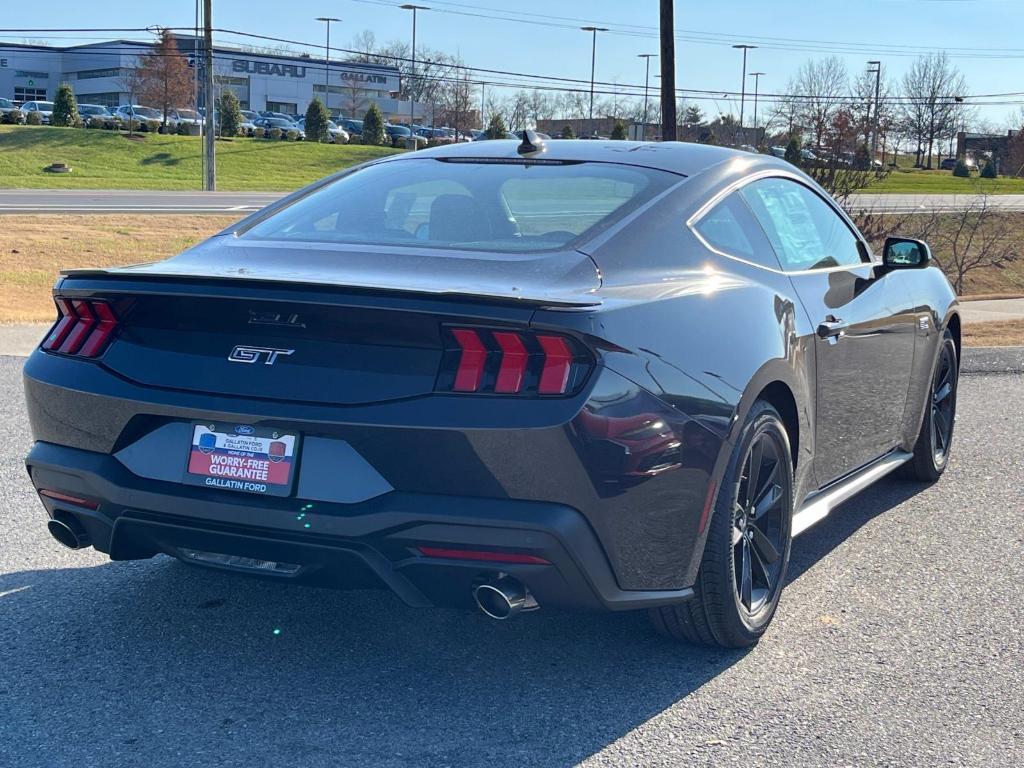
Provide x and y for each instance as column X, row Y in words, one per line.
column 982, row 37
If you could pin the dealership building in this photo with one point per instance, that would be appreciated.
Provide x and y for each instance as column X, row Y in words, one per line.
column 99, row 73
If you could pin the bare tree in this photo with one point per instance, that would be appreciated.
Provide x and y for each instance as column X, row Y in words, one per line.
column 165, row 80
column 130, row 82
column 820, row 89
column 930, row 108
column 978, row 236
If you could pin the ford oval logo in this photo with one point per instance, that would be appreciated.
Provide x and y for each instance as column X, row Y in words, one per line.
column 244, row 429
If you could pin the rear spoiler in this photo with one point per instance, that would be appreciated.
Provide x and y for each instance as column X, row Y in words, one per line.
column 136, row 280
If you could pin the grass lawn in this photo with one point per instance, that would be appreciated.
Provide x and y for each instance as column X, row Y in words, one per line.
column 916, row 181
column 1003, row 333
column 36, row 248
column 109, row 160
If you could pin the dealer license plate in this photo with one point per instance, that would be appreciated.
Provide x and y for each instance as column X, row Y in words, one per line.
column 239, row 457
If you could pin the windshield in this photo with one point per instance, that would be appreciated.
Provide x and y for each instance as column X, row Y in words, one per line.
column 517, row 206
column 90, row 109
column 188, row 114
column 146, row 112
column 5, row 103
column 278, row 122
column 44, row 106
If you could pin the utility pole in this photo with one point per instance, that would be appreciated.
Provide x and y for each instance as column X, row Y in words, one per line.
column 668, row 72
column 647, row 79
column 757, row 81
column 210, row 176
column 412, row 75
column 743, row 82
column 327, row 61
column 483, row 92
column 593, row 62
column 874, row 125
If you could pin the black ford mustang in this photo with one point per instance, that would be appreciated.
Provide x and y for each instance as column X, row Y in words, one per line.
column 585, row 375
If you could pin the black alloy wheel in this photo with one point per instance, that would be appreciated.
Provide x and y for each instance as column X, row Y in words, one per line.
column 931, row 450
column 943, row 404
column 746, row 554
column 758, row 526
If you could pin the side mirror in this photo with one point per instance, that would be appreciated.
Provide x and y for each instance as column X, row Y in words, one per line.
column 904, row 253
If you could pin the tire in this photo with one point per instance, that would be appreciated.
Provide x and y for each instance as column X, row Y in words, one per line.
column 746, row 555
column 931, row 449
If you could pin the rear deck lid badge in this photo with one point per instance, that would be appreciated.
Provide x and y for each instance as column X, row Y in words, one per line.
column 246, row 354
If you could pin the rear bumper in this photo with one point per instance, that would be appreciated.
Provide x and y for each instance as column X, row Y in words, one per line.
column 369, row 544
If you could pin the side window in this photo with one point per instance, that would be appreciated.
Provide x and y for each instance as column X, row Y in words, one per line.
column 804, row 230
column 730, row 228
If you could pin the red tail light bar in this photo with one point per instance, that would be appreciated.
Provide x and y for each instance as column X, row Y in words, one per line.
column 505, row 362
column 84, row 329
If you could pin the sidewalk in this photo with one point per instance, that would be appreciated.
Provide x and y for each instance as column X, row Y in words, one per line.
column 20, row 340
column 989, row 310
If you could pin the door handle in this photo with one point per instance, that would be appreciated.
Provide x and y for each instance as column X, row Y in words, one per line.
column 832, row 328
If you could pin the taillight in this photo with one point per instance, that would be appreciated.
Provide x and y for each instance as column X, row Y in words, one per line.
column 505, row 362
column 84, row 329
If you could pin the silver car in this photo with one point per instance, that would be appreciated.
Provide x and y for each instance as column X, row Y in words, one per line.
column 42, row 108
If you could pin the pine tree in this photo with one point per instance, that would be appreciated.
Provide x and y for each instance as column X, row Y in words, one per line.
column 989, row 171
column 65, row 108
column 317, row 118
column 793, row 151
column 229, row 113
column 373, row 127
column 961, row 170
column 618, row 131
column 567, row 132
column 496, row 129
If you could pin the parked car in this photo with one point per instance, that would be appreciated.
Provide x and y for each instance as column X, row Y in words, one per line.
column 267, row 124
column 43, row 108
column 336, row 134
column 138, row 113
column 248, row 125
column 353, row 127
column 89, row 111
column 279, row 116
column 399, row 134
column 7, row 108
column 777, row 151
column 949, row 163
column 458, row 380
column 178, row 117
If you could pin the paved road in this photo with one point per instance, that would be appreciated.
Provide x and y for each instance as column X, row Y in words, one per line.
column 988, row 310
column 132, row 201
column 912, row 203
column 898, row 643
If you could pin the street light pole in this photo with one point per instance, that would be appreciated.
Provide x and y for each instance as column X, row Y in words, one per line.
column 757, row 81
column 874, row 126
column 210, row 166
column 666, row 27
column 327, row 61
column 593, row 62
column 412, row 74
column 647, row 79
column 483, row 96
column 743, row 82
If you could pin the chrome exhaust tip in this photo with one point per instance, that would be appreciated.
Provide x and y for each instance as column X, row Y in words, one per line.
column 503, row 597
column 69, row 532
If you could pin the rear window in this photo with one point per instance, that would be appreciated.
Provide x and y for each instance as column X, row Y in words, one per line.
column 505, row 207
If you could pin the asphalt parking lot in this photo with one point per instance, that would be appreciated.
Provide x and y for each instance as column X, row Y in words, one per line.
column 898, row 643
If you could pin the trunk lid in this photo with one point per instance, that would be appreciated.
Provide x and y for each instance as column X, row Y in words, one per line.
column 568, row 277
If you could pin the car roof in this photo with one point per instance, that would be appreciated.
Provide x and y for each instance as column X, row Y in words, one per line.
column 679, row 157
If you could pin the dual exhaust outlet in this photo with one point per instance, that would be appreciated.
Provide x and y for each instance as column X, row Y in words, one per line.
column 500, row 598
column 503, row 597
